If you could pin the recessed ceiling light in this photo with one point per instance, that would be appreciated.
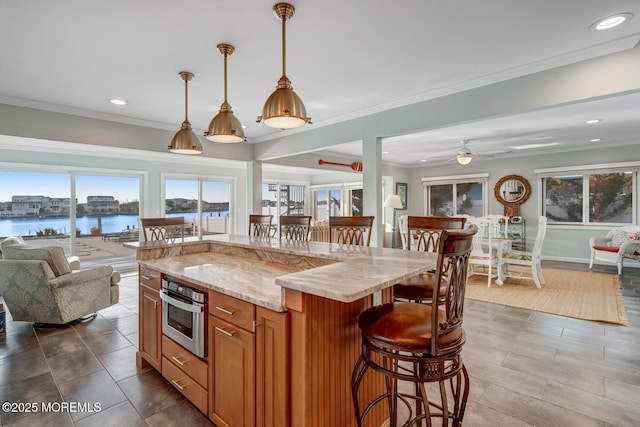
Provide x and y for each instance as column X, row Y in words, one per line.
column 117, row 101
column 611, row 21
column 592, row 121
column 423, row 160
column 595, row 140
column 385, row 152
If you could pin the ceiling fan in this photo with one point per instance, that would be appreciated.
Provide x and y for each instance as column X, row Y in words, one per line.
column 465, row 155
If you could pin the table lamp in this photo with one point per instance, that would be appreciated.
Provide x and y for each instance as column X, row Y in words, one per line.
column 393, row 201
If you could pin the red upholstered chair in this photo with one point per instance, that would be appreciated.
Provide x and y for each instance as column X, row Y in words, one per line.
column 620, row 243
column 428, row 337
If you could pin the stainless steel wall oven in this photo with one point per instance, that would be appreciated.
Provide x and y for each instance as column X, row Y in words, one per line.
column 184, row 315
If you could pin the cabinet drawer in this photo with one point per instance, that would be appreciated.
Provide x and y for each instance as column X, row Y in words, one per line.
column 150, row 278
column 195, row 367
column 187, row 386
column 235, row 311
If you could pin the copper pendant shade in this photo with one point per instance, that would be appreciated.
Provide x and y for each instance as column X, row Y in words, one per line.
column 185, row 141
column 284, row 108
column 225, row 126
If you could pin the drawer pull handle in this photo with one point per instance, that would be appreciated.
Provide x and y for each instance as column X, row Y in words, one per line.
column 146, row 277
column 178, row 385
column 226, row 310
column 230, row 334
column 178, row 361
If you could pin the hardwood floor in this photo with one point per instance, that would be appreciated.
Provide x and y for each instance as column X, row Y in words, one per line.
column 527, row 368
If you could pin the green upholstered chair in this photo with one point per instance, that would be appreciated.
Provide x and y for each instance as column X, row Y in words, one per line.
column 38, row 285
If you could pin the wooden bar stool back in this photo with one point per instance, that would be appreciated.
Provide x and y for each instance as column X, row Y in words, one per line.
column 295, row 227
column 423, row 234
column 260, row 225
column 350, row 230
column 163, row 229
column 426, row 338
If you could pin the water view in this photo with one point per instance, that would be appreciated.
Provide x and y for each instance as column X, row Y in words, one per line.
column 29, row 226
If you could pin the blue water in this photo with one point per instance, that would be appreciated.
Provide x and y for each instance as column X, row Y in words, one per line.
column 110, row 223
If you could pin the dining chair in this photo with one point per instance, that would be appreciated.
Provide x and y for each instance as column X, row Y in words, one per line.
column 163, row 229
column 295, row 227
column 260, row 225
column 533, row 260
column 486, row 243
column 423, row 234
column 350, row 230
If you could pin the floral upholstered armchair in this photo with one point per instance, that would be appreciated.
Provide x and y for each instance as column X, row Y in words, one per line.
column 38, row 285
column 619, row 243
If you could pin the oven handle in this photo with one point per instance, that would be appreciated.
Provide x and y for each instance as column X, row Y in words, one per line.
column 181, row 305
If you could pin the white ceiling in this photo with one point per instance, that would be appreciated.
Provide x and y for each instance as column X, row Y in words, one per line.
column 345, row 59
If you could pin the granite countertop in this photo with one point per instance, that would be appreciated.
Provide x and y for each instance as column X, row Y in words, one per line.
column 259, row 270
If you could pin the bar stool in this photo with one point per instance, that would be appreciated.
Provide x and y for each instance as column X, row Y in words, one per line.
column 350, row 230
column 427, row 231
column 260, row 225
column 295, row 227
column 428, row 337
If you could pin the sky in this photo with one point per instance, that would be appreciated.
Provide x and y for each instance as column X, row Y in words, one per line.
column 124, row 189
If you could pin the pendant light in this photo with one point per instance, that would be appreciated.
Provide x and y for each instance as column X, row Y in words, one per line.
column 284, row 108
column 225, row 126
column 185, row 141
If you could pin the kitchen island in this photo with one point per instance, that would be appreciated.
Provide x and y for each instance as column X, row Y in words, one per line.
column 282, row 333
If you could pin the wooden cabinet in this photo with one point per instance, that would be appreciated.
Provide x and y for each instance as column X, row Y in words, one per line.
column 245, row 379
column 150, row 319
column 231, row 374
column 272, row 369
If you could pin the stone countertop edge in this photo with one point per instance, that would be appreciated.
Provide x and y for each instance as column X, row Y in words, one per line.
column 354, row 273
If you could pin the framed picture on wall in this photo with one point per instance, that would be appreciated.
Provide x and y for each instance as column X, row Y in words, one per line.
column 401, row 190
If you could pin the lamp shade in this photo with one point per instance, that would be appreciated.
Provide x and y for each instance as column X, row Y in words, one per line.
column 393, row 201
column 284, row 108
column 185, row 141
column 225, row 126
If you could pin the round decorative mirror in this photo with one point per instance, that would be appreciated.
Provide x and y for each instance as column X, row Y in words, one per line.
column 512, row 190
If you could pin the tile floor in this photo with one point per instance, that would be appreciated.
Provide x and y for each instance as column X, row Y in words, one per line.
column 527, row 369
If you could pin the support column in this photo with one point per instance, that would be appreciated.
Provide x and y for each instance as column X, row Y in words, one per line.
column 372, row 185
column 254, row 191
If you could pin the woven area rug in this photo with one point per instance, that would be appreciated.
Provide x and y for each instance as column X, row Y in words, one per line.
column 577, row 294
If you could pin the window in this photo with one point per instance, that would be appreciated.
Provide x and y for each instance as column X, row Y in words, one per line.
column 283, row 199
column 203, row 203
column 90, row 216
column 592, row 197
column 328, row 201
column 448, row 196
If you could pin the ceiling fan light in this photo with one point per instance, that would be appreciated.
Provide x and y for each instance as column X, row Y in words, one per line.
column 464, row 159
column 185, row 141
